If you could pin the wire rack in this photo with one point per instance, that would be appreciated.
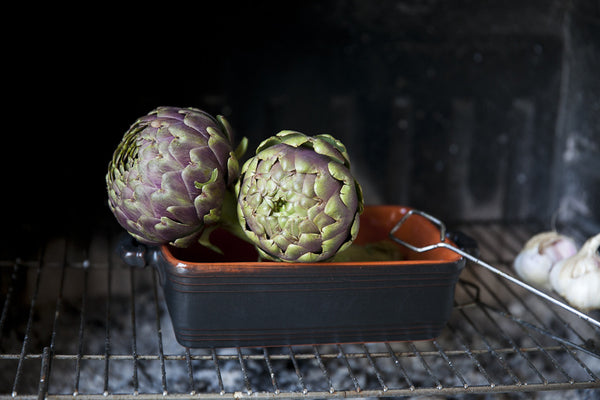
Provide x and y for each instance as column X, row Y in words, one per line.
column 78, row 323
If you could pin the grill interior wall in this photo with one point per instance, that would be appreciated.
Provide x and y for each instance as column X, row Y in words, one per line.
column 462, row 109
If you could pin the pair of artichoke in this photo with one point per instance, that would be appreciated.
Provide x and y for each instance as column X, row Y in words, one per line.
column 175, row 177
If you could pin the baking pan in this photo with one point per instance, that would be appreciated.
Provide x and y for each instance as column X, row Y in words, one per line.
column 235, row 300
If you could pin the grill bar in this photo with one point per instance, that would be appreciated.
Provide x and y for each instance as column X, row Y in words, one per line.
column 297, row 370
column 435, row 379
column 44, row 373
column 400, row 368
column 218, row 372
column 83, row 314
column 107, row 323
column 27, row 331
column 190, row 368
column 449, row 391
column 247, row 384
column 349, row 368
column 304, row 357
column 377, row 373
column 323, row 369
column 8, row 298
column 471, row 354
column 134, row 352
column 450, row 364
column 80, row 338
column 271, row 372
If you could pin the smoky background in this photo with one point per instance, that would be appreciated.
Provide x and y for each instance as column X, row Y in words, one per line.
column 466, row 110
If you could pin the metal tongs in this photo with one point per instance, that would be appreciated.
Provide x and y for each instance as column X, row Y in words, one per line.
column 444, row 244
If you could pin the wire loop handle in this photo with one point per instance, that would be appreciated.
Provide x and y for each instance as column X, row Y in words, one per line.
column 444, row 244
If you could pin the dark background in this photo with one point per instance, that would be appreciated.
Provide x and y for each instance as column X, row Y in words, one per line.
column 465, row 109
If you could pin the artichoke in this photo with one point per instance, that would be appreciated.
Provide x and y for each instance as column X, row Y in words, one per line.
column 168, row 177
column 297, row 200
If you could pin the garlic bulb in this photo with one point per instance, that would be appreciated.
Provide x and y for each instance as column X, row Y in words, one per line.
column 540, row 253
column 577, row 279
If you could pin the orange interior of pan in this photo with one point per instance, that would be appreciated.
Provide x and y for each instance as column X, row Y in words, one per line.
column 375, row 224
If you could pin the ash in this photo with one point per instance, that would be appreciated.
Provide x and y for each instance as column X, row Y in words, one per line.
column 133, row 328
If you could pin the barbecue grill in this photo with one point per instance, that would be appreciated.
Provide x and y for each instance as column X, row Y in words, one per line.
column 482, row 114
column 79, row 323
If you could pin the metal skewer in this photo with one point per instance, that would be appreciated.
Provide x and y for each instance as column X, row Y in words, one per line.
column 443, row 244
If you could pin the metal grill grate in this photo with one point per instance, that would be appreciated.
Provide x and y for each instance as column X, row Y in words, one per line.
column 76, row 322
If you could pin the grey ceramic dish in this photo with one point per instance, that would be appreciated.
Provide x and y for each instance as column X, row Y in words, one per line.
column 235, row 300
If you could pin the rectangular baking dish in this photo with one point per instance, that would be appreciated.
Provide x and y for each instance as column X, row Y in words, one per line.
column 234, row 300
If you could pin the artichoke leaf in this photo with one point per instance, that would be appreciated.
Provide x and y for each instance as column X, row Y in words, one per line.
column 213, row 178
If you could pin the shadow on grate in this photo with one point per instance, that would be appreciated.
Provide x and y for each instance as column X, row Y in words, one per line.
column 76, row 321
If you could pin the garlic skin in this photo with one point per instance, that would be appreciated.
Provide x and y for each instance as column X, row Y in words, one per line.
column 540, row 254
column 577, row 278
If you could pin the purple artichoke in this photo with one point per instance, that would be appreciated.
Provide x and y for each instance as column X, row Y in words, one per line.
column 168, row 177
column 297, row 200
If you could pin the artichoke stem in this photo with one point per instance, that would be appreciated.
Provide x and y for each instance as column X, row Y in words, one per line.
column 229, row 219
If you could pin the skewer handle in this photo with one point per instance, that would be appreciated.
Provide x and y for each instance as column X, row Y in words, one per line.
column 443, row 244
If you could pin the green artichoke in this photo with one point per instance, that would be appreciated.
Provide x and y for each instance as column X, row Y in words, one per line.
column 168, row 177
column 297, row 200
